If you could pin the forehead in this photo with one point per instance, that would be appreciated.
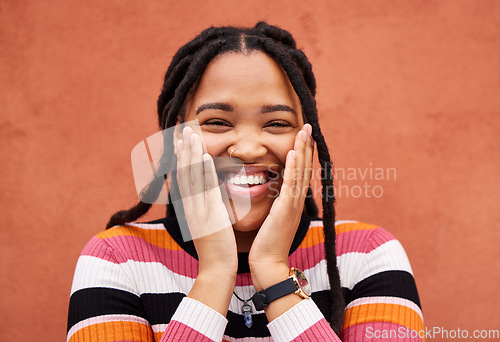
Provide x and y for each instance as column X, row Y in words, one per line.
column 249, row 79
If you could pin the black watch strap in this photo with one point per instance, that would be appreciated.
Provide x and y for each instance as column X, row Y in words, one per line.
column 262, row 298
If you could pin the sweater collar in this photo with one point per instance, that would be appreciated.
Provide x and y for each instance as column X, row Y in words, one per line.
column 172, row 226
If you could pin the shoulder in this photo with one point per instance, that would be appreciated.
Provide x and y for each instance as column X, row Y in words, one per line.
column 351, row 236
column 131, row 234
column 131, row 241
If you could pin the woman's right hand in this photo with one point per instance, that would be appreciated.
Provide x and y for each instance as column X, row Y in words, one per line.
column 209, row 223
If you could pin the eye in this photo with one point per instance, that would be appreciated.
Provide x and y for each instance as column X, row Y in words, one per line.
column 215, row 122
column 278, row 123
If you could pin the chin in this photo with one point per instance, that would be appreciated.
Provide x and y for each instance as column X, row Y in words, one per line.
column 248, row 224
column 254, row 216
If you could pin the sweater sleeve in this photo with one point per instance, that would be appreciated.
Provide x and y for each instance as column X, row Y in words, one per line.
column 106, row 306
column 381, row 295
column 382, row 301
column 303, row 322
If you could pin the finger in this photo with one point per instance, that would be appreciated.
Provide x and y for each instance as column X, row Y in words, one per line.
column 210, row 174
column 196, row 175
column 298, row 172
column 289, row 179
column 308, row 165
column 183, row 163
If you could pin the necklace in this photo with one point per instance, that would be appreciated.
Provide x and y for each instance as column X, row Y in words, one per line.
column 247, row 311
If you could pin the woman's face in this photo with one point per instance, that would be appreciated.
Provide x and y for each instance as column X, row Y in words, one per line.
column 247, row 110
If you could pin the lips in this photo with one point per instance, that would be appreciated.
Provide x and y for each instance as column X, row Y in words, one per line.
column 258, row 178
column 246, row 181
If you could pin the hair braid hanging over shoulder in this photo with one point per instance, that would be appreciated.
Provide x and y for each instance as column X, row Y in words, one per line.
column 187, row 66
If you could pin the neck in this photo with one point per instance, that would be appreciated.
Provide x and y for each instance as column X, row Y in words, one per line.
column 244, row 240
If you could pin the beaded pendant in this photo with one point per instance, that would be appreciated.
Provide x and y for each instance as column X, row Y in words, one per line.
column 247, row 314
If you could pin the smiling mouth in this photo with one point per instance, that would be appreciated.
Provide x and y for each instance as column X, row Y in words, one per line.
column 245, row 180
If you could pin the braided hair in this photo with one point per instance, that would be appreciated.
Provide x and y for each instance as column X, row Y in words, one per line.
column 181, row 78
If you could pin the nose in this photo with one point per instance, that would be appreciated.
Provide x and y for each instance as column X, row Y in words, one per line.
column 248, row 147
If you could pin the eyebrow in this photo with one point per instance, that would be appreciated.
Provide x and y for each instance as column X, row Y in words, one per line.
column 215, row 105
column 277, row 108
column 228, row 108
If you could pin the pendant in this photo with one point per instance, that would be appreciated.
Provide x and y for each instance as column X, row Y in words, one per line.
column 247, row 314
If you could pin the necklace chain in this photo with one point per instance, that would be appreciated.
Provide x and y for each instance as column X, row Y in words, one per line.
column 247, row 311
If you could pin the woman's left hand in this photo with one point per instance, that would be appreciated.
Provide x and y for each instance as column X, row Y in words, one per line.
column 268, row 257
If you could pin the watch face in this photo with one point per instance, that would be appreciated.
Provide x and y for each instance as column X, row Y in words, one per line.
column 301, row 279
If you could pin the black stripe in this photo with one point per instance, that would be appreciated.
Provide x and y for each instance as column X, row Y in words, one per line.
column 173, row 229
column 323, row 300
column 97, row 301
column 236, row 327
column 160, row 307
column 388, row 284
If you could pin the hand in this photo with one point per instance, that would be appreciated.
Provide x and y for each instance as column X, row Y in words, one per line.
column 208, row 222
column 268, row 258
column 206, row 214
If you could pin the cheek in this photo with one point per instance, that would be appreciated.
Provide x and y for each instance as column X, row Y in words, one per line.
column 281, row 145
column 216, row 144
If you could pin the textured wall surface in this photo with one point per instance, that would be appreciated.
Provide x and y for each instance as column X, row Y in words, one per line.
column 408, row 99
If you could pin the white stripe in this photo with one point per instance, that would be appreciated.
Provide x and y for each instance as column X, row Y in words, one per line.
column 95, row 272
column 389, row 256
column 345, row 221
column 201, row 318
column 154, row 277
column 147, row 226
column 104, row 319
column 149, row 277
column 356, row 266
column 157, row 328
column 295, row 321
column 248, row 339
column 387, row 300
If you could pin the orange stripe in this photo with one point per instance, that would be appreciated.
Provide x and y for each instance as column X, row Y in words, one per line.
column 158, row 335
column 383, row 312
column 113, row 331
column 159, row 238
column 315, row 234
column 352, row 226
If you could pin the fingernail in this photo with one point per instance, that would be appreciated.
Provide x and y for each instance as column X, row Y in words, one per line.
column 304, row 136
column 179, row 145
column 294, row 156
column 185, row 133
column 309, row 129
column 206, row 157
column 191, row 139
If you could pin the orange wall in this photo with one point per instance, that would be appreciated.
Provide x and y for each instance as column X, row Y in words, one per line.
column 405, row 85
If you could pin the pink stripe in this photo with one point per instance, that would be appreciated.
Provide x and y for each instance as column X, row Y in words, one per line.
column 177, row 331
column 319, row 331
column 362, row 241
column 140, row 250
column 379, row 331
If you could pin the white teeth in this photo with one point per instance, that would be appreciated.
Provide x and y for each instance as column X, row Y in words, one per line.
column 232, row 178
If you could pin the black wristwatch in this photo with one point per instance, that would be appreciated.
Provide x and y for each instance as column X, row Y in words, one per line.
column 295, row 283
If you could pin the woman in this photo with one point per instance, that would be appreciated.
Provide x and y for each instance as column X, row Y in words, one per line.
column 252, row 93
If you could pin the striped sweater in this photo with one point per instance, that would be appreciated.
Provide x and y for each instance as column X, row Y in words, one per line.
column 131, row 283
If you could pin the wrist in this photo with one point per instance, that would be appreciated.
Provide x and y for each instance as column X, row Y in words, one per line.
column 266, row 275
column 204, row 286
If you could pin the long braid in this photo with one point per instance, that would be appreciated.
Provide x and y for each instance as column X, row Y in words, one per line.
column 188, row 65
